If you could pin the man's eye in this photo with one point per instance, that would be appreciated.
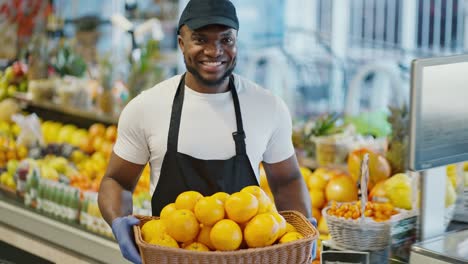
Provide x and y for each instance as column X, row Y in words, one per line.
column 228, row 40
column 199, row 40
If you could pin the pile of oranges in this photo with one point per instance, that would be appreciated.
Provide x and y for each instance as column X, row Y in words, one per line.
column 379, row 212
column 223, row 222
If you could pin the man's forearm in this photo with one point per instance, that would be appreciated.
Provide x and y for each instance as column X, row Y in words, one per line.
column 114, row 201
column 293, row 195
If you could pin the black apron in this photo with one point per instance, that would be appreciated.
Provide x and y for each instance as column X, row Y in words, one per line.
column 181, row 172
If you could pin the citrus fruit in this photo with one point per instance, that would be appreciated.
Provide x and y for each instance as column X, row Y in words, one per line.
column 261, row 231
column 341, row 189
column 182, row 225
column 222, row 196
column 281, row 222
column 241, row 207
column 291, row 236
column 209, row 210
column 152, row 229
column 167, row 210
column 317, row 181
column 164, row 240
column 317, row 198
column 204, row 237
column 226, row 235
column 187, row 200
column 264, row 202
column 290, row 228
column 197, row 246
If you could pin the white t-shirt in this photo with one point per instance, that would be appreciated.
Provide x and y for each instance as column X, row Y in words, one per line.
column 206, row 126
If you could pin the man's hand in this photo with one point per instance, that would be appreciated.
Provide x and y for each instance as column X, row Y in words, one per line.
column 122, row 227
column 313, row 221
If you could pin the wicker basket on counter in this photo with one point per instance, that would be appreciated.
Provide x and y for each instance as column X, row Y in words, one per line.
column 298, row 251
column 359, row 234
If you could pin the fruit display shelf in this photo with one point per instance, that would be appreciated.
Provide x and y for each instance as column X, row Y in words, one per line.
column 63, row 113
column 21, row 221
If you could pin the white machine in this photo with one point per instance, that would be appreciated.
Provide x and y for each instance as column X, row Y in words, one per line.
column 438, row 137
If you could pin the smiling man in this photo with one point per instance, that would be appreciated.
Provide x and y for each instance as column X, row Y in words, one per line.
column 206, row 130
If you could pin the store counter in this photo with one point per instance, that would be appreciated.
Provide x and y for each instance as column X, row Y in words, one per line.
column 53, row 240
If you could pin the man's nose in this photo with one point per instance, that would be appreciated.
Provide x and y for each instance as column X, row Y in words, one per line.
column 213, row 49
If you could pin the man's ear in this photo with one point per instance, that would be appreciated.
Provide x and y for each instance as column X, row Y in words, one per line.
column 180, row 40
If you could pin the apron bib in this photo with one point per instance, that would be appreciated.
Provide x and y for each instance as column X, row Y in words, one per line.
column 181, row 172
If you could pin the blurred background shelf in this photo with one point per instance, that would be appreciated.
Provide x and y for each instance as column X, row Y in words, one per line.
column 63, row 113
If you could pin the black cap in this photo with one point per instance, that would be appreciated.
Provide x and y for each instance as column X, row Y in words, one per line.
column 200, row 13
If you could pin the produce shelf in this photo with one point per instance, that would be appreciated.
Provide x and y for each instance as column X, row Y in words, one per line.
column 65, row 114
column 68, row 237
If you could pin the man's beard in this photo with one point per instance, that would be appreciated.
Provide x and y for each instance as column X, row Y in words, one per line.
column 206, row 82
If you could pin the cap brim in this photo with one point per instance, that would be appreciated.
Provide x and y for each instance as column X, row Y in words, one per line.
column 198, row 23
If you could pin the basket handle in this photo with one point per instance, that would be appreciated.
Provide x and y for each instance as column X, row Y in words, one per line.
column 362, row 183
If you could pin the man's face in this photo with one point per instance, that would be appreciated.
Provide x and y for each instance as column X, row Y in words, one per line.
column 209, row 52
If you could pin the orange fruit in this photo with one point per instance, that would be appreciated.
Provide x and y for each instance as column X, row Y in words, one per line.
column 96, row 129
column 317, row 181
column 187, row 200
column 291, row 236
column 317, row 198
column 290, row 228
column 264, row 202
column 341, row 189
column 197, row 246
column 261, row 231
column 241, row 207
column 316, row 213
column 379, row 167
column 152, row 229
column 111, row 133
column 264, row 183
column 226, row 235
column 182, row 225
column 222, row 196
column 204, row 237
column 209, row 210
column 167, row 210
column 281, row 222
column 377, row 193
column 164, row 240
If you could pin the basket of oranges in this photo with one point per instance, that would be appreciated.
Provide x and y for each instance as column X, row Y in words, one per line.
column 243, row 227
column 351, row 229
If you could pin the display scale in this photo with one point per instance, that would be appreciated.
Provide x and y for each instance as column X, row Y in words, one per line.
column 438, row 137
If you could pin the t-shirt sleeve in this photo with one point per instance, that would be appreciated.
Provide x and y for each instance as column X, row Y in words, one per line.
column 280, row 145
column 131, row 144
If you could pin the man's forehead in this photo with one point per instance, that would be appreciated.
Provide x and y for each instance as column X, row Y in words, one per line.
column 215, row 28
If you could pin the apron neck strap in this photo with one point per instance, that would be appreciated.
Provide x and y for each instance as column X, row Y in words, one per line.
column 174, row 126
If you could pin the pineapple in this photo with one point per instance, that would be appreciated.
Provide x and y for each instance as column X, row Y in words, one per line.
column 397, row 153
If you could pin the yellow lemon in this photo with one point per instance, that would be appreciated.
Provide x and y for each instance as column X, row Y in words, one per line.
column 204, row 237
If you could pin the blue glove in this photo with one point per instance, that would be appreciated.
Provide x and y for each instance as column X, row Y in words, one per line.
column 313, row 221
column 122, row 227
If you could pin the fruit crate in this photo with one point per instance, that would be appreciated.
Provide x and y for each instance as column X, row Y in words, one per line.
column 298, row 251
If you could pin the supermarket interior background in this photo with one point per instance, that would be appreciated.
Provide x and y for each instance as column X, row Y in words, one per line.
column 344, row 68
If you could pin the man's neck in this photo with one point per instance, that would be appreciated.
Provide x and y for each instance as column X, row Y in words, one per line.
column 194, row 84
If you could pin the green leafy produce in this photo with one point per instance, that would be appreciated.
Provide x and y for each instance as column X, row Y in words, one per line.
column 371, row 123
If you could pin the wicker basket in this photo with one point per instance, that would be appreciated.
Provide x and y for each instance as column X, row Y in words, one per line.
column 360, row 234
column 298, row 251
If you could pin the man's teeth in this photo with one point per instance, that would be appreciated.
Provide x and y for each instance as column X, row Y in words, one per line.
column 212, row 63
